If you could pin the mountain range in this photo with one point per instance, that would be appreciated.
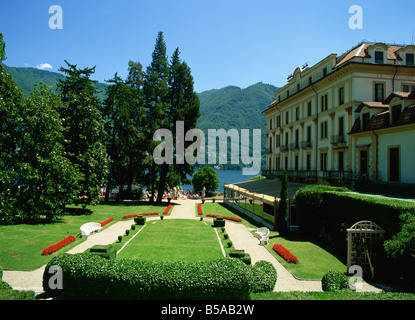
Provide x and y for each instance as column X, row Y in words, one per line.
column 229, row 107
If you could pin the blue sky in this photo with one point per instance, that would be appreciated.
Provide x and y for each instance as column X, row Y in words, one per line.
column 226, row 42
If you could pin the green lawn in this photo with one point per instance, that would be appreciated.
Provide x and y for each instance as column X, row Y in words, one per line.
column 21, row 245
column 173, row 240
column 222, row 210
column 314, row 261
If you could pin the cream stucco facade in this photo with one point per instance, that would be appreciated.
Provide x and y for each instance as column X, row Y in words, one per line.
column 309, row 121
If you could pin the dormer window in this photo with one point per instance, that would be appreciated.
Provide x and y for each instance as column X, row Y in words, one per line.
column 324, row 72
column 365, row 120
column 378, row 56
column 410, row 59
column 395, row 114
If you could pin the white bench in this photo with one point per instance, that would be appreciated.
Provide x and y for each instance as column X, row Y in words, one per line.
column 263, row 235
column 91, row 227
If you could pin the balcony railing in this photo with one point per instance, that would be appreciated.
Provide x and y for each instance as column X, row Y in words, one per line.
column 306, row 144
column 338, row 139
column 285, row 147
column 344, row 175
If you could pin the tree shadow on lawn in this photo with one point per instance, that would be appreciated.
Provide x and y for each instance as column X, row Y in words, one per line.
column 133, row 203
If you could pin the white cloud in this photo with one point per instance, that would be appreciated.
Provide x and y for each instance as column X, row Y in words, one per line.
column 44, row 66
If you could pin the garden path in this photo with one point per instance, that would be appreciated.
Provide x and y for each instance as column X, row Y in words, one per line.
column 240, row 236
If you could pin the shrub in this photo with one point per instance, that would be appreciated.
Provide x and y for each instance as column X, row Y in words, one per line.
column 218, row 222
column 88, row 276
column 229, row 244
column 225, row 236
column 264, row 277
column 127, row 232
column 104, row 251
column 119, row 238
column 284, row 253
column 55, row 247
column 106, row 222
column 140, row 220
column 133, row 227
column 334, row 280
column 241, row 255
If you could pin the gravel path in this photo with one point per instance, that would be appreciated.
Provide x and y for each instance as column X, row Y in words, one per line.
column 240, row 236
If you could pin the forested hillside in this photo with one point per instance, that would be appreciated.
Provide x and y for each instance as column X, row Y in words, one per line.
column 226, row 108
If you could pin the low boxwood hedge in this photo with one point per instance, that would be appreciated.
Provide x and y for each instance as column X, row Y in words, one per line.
column 92, row 277
column 88, row 276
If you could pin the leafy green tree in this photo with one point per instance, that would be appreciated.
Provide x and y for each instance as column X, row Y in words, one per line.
column 84, row 131
column 36, row 179
column 155, row 89
column 122, row 113
column 283, row 207
column 205, row 177
column 47, row 179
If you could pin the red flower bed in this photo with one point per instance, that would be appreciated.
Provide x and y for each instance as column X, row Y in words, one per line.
column 285, row 254
column 128, row 216
column 106, row 221
column 166, row 211
column 55, row 247
column 199, row 209
column 225, row 217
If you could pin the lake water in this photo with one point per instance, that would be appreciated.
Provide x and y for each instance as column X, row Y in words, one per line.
column 226, row 176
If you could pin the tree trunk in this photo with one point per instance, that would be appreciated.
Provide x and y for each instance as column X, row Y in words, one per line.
column 162, row 183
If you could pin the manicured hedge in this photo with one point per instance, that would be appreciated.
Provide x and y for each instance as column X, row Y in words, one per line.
column 325, row 212
column 284, row 253
column 264, row 277
column 55, row 247
column 87, row 276
column 334, row 281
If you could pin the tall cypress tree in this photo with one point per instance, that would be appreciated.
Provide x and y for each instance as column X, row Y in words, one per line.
column 183, row 106
column 283, row 207
column 155, row 89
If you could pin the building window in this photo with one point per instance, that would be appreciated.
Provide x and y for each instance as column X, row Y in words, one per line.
column 379, row 92
column 408, row 88
column 378, row 56
column 270, row 124
column 323, row 127
column 309, row 134
column 298, row 87
column 324, row 72
column 365, row 120
column 308, row 162
column 278, row 121
column 297, row 113
column 310, row 80
column 396, row 113
column 410, row 59
column 286, row 139
column 288, row 93
column 394, row 164
column 323, row 161
column 277, row 141
column 309, row 109
column 296, row 163
column 297, row 139
column 324, row 102
column 286, row 163
column 341, row 96
column 277, row 163
column 287, row 119
column 341, row 161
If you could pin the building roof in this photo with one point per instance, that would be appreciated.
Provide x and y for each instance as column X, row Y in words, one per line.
column 401, row 95
column 371, row 105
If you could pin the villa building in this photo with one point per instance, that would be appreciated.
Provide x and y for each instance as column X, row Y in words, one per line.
column 348, row 117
